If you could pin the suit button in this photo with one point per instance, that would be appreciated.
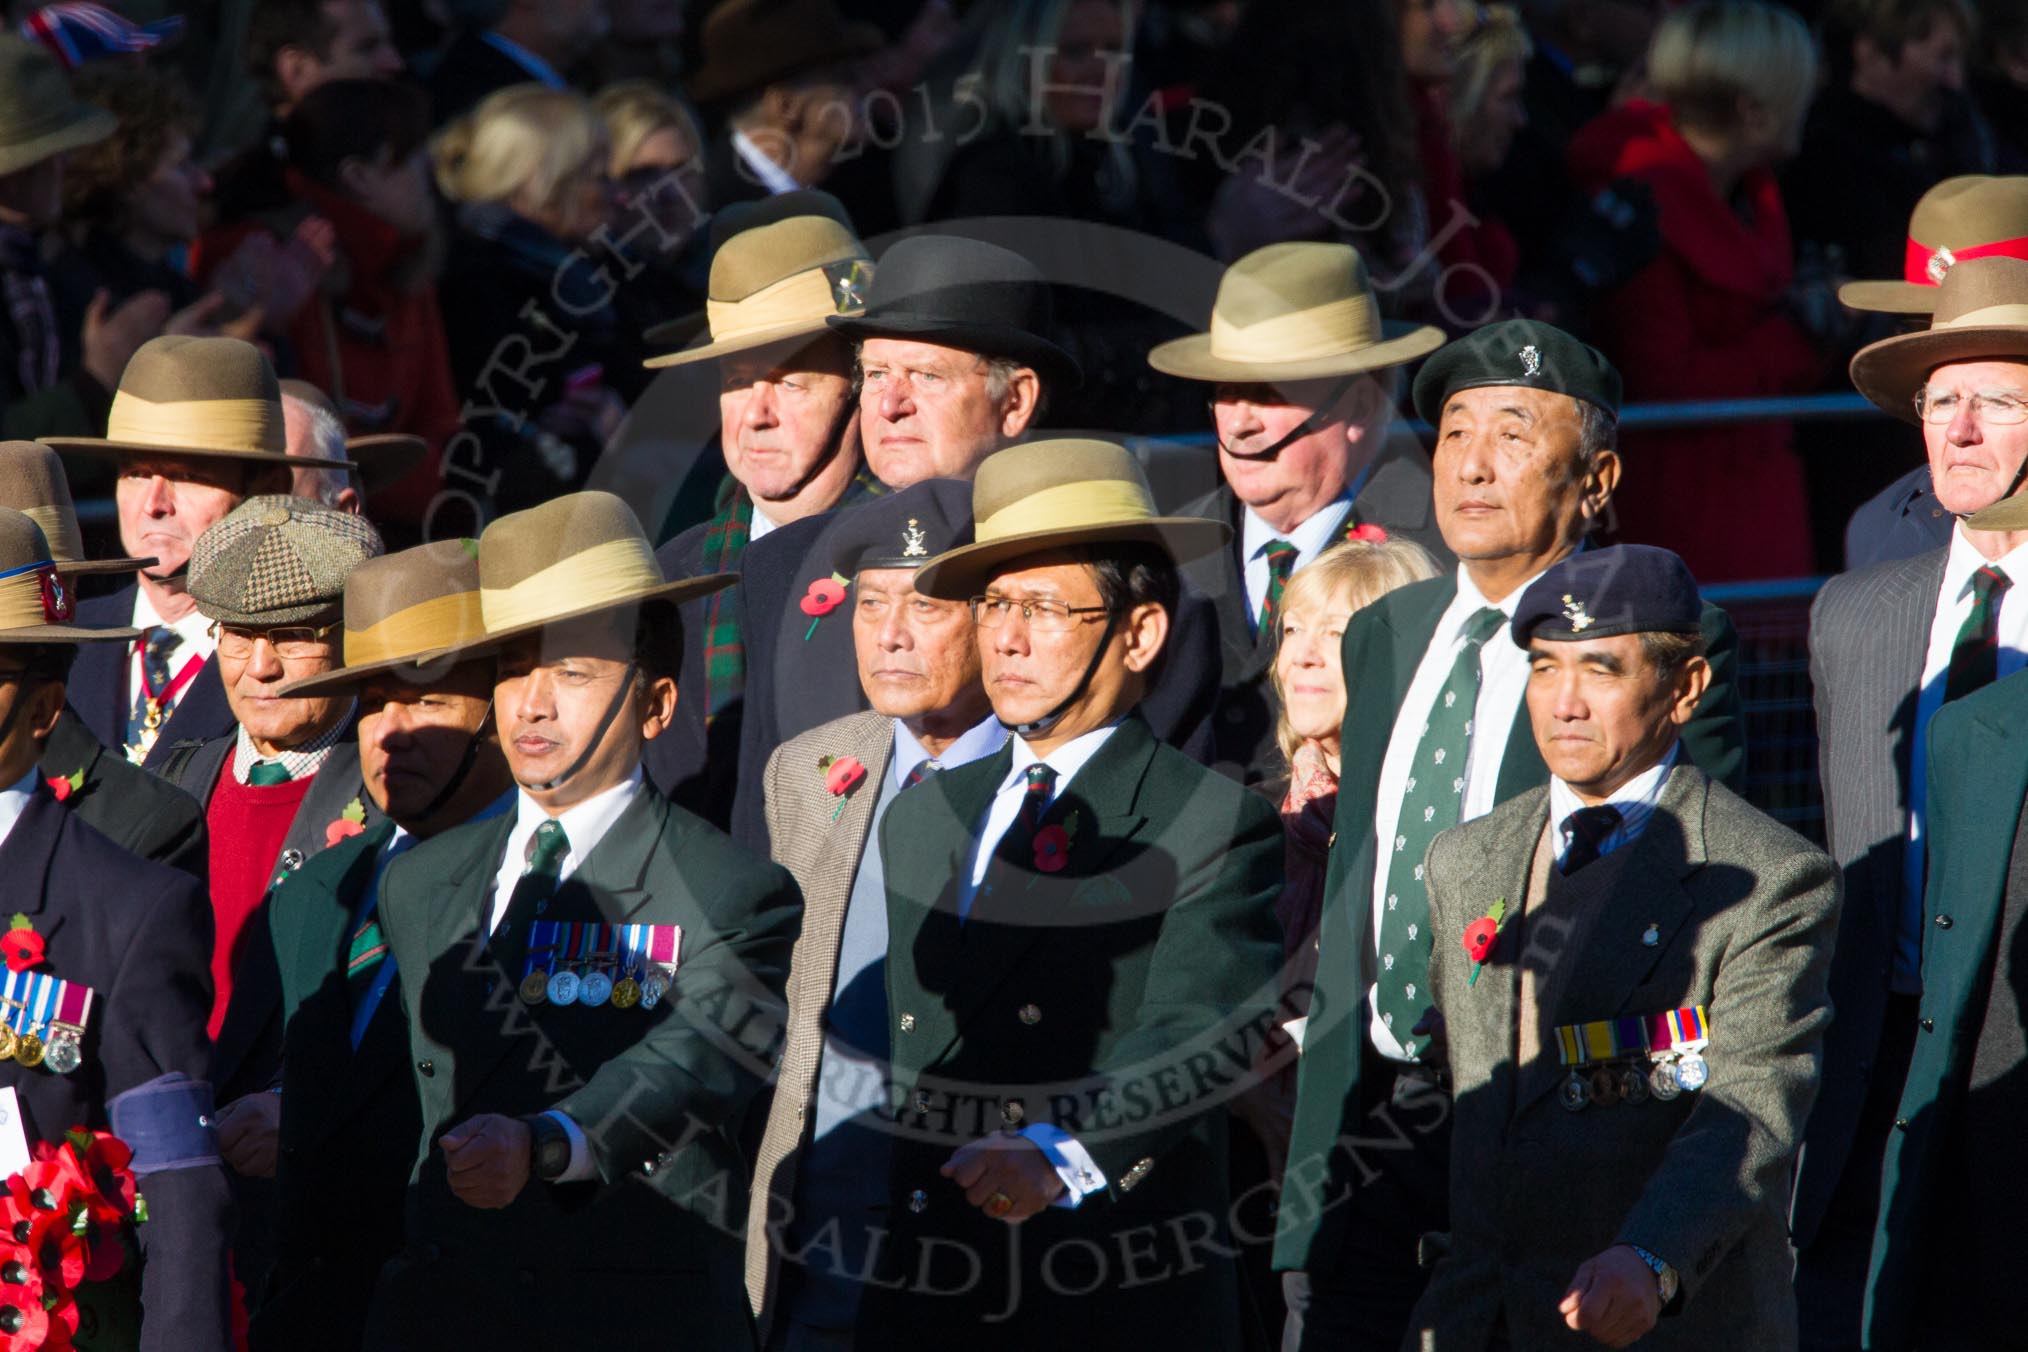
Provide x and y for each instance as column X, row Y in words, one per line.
column 1013, row 1113
column 427, row 1067
column 1929, row 1025
column 1031, row 1014
column 490, row 985
column 922, row 1100
column 918, row 1201
column 1943, row 922
column 908, row 1023
column 1901, row 1124
column 292, row 859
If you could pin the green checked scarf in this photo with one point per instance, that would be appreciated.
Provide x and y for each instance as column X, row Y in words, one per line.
column 725, row 540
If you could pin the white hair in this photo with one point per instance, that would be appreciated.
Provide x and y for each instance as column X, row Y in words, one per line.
column 326, row 441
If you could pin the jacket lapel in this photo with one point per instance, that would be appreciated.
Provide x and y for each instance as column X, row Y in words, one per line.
column 836, row 870
column 925, row 938
column 1598, row 963
column 25, row 856
column 1503, row 876
column 1981, row 843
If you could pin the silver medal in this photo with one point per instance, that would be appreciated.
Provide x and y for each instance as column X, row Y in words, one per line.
column 563, row 988
column 598, row 988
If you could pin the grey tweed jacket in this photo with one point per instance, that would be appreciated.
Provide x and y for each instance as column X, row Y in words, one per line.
column 1742, row 911
column 823, row 856
column 1869, row 633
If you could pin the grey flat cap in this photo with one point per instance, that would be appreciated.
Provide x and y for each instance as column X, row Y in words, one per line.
column 278, row 560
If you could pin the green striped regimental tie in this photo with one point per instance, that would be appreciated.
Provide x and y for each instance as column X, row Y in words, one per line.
column 1432, row 800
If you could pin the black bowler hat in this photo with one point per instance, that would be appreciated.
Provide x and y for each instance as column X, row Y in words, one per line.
column 1602, row 593
column 966, row 294
column 1522, row 352
column 905, row 529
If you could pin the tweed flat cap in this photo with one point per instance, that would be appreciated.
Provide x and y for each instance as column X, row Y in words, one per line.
column 278, row 560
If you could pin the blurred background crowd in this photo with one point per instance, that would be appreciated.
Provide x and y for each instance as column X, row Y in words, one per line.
column 379, row 191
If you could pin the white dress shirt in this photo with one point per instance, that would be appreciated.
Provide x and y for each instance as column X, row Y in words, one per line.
column 193, row 640
column 14, row 801
column 976, row 743
column 766, row 172
column 761, row 524
column 1503, row 683
column 584, row 825
column 1636, row 800
column 1310, row 539
column 1073, row 1163
column 1953, row 605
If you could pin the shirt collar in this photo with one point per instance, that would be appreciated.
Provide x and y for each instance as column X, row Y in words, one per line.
column 537, row 68
column 980, row 740
column 193, row 631
column 759, row 524
column 1963, row 561
column 772, row 176
column 1638, row 796
column 14, row 800
column 1066, row 760
column 584, row 824
column 1471, row 600
column 299, row 761
column 1310, row 538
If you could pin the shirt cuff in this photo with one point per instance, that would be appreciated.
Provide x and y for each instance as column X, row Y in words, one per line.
column 580, row 1168
column 1073, row 1163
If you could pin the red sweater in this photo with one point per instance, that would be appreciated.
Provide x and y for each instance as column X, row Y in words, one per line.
column 247, row 826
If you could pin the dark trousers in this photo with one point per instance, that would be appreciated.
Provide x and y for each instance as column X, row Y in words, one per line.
column 1363, row 1301
column 1831, row 1273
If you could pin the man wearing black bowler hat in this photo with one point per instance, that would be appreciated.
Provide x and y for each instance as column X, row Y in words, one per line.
column 1524, row 466
column 955, row 362
column 1628, row 988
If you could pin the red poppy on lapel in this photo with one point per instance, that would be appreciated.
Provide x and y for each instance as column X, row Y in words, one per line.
column 21, row 945
column 1370, row 533
column 350, row 822
column 1480, row 934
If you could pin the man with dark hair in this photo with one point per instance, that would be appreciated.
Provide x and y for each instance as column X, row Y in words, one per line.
column 293, row 46
column 526, row 40
column 1892, row 120
column 1524, row 466
column 593, row 983
column 1071, row 922
column 1628, row 991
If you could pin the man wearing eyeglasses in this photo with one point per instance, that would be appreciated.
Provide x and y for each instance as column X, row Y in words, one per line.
column 270, row 577
column 1301, row 370
column 1074, row 922
column 1890, row 645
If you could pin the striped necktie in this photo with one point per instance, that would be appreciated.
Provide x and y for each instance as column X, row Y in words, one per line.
column 1975, row 657
column 1584, row 833
column 1281, row 561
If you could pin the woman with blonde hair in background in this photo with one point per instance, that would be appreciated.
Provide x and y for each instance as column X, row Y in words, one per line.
column 660, row 203
column 528, row 177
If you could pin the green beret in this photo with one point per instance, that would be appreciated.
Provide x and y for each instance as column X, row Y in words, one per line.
column 1523, row 352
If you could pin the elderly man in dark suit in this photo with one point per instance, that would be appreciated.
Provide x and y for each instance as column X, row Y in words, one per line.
column 955, row 362
column 1950, row 1180
column 823, row 1156
column 350, row 1120
column 1889, row 646
column 1628, row 989
column 1524, row 465
column 789, row 430
column 592, row 981
column 136, row 810
column 126, row 944
column 1073, row 923
column 1302, row 397
column 195, row 429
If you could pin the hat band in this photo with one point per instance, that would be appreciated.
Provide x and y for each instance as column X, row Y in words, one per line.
column 2008, row 313
column 440, row 622
column 32, row 596
column 1071, row 506
column 1924, row 266
column 198, row 424
column 1332, row 329
column 616, row 571
column 804, row 298
column 60, row 529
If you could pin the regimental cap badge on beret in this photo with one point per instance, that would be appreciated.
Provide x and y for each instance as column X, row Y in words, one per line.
column 1574, row 611
column 913, row 542
column 1604, row 593
column 849, row 281
column 1531, row 361
column 1940, row 263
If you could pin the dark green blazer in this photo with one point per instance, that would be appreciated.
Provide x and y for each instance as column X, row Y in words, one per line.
column 350, row 1118
column 657, row 1092
column 1978, row 777
column 1383, row 645
column 1119, row 999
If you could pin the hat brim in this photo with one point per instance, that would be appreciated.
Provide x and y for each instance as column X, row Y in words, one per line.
column 384, row 459
column 1888, row 298
column 745, row 342
column 68, row 633
column 670, row 593
column 102, row 446
column 992, row 340
column 1191, row 358
column 432, row 664
column 311, row 613
column 958, row 574
column 678, row 332
column 94, row 567
column 1890, row 371
column 717, row 83
column 90, row 126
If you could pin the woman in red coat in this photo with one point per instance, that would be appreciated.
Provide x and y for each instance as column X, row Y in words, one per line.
column 1709, row 318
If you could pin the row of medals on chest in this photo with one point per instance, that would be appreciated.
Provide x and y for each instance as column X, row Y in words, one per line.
column 62, row 1051
column 594, row 986
column 1662, row 1075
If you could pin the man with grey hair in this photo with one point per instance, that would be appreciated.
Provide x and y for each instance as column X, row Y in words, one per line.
column 314, row 433
column 1524, row 467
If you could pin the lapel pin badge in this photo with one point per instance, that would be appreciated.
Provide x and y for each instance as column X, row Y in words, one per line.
column 1652, row 935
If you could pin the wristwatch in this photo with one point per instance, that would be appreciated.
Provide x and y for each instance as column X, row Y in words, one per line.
column 549, row 1147
column 1665, row 1276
